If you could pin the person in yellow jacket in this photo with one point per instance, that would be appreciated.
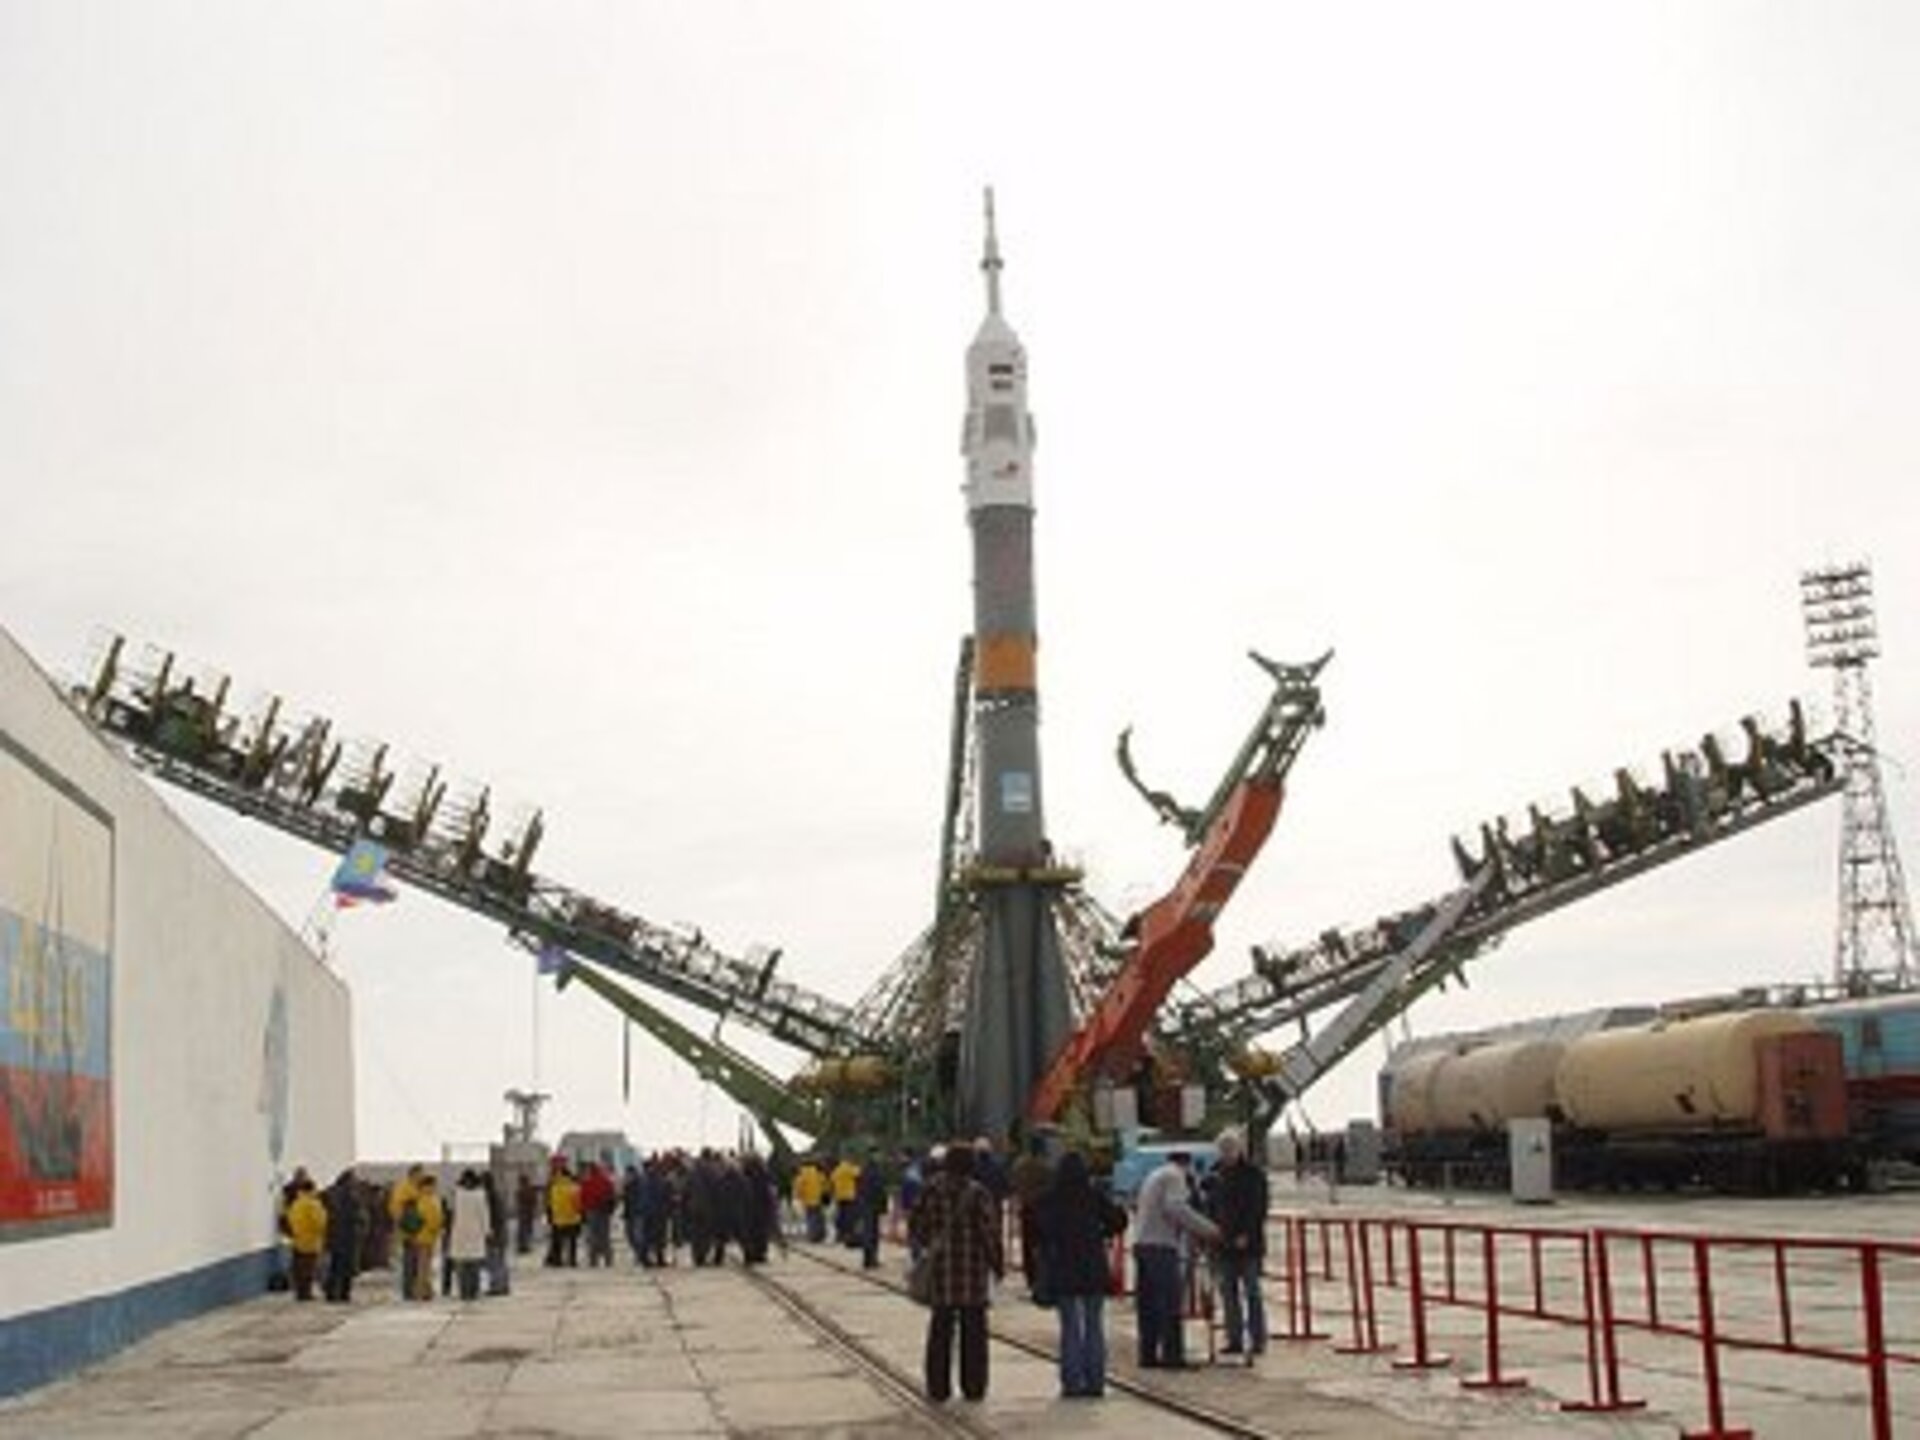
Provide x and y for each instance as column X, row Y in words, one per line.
column 399, row 1196
column 563, row 1216
column 306, row 1235
column 810, row 1194
column 420, row 1225
column 846, row 1201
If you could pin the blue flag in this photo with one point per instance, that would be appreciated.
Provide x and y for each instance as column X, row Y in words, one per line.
column 362, row 875
column 551, row 959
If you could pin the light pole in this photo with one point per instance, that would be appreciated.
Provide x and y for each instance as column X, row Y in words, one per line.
column 1874, row 942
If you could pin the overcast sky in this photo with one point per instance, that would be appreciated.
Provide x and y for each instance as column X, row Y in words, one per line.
column 570, row 394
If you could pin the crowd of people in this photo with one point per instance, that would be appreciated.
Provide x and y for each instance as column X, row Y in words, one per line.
column 957, row 1202
column 356, row 1225
column 703, row 1203
column 953, row 1207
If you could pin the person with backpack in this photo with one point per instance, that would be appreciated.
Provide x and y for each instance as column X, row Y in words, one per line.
column 404, row 1194
column 422, row 1221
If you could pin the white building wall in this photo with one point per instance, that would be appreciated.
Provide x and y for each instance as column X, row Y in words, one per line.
column 212, row 1106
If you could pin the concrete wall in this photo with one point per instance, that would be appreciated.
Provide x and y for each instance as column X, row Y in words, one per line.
column 225, row 1042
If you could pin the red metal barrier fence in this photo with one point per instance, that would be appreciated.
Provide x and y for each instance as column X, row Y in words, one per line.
column 1827, row 1301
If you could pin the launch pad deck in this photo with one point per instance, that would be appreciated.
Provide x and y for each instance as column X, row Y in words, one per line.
column 680, row 1352
column 817, row 1347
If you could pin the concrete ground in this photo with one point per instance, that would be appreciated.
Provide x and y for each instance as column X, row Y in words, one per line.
column 592, row 1353
column 708, row 1352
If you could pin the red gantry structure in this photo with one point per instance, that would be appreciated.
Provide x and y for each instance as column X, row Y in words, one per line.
column 1175, row 933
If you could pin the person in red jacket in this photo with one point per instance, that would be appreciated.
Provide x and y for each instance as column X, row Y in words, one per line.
column 597, row 1199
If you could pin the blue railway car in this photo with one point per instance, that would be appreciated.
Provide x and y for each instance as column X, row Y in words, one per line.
column 1881, row 1041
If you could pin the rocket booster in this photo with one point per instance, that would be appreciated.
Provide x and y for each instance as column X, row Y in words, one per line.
column 998, row 442
column 1017, row 1006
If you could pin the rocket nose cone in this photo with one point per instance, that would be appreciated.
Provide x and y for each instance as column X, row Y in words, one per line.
column 995, row 331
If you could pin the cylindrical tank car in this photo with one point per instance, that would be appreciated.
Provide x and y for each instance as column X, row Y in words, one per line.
column 1743, row 1101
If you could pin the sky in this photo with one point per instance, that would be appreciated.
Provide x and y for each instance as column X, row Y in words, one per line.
column 569, row 393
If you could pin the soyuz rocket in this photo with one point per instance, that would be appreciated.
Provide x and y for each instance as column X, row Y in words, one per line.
column 1017, row 1011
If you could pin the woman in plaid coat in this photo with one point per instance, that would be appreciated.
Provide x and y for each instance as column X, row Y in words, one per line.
column 956, row 1224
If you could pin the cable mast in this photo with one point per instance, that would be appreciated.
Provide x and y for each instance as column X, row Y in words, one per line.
column 1874, row 944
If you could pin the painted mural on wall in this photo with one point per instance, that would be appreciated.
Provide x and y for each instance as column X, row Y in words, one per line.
column 276, row 1074
column 56, row 993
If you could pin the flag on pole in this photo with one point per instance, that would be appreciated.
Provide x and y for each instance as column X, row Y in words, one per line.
column 626, row 1063
column 362, row 876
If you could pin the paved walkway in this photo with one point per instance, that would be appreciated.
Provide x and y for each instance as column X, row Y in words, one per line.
column 577, row 1353
column 624, row 1352
column 681, row 1352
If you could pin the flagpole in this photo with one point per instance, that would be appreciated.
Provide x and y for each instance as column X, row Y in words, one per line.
column 317, row 930
column 536, row 1026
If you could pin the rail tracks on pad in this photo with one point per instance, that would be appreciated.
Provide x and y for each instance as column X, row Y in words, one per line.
column 960, row 1420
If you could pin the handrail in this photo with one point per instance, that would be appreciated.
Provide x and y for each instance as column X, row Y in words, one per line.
column 1608, row 1284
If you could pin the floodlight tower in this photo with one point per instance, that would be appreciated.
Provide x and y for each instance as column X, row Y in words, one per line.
column 525, row 1105
column 1874, row 946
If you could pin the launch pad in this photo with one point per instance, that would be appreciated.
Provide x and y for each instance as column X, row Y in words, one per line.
column 1024, row 1002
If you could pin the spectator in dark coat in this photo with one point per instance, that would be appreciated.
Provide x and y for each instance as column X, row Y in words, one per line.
column 988, row 1170
column 733, row 1208
column 499, row 1282
column 656, row 1199
column 346, row 1229
column 703, row 1202
column 1029, row 1178
column 376, row 1249
column 1240, row 1198
column 633, row 1211
column 957, row 1225
column 526, row 1204
column 871, row 1194
column 1073, row 1226
column 759, row 1205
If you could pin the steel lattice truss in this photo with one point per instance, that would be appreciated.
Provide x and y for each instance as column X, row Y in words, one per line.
column 1554, row 862
column 300, row 779
column 295, row 775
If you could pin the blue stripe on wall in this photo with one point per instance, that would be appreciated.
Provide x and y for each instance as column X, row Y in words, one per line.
column 47, row 1344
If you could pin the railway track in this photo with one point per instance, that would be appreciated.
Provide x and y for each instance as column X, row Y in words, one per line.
column 945, row 1420
column 893, row 1382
